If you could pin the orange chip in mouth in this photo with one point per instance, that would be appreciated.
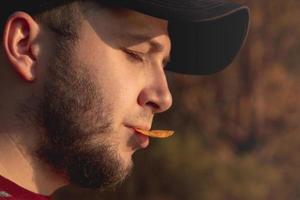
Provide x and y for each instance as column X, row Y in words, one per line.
column 156, row 133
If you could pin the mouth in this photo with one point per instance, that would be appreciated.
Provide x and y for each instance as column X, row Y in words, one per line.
column 143, row 140
column 139, row 141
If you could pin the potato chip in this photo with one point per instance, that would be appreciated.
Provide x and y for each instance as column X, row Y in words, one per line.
column 156, row 133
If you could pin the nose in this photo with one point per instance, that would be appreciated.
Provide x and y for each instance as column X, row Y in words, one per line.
column 156, row 94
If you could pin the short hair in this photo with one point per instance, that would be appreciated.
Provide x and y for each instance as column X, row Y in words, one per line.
column 63, row 20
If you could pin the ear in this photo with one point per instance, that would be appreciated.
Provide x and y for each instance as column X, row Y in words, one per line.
column 19, row 36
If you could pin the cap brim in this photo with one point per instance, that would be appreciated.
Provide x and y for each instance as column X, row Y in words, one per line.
column 208, row 46
column 205, row 37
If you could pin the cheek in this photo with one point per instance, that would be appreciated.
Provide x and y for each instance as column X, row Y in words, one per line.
column 120, row 88
column 119, row 80
column 122, row 95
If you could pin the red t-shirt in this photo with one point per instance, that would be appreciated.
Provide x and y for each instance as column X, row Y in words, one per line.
column 11, row 191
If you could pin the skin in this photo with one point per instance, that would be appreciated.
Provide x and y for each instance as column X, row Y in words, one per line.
column 123, row 68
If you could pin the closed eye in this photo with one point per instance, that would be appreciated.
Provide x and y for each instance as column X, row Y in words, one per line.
column 134, row 55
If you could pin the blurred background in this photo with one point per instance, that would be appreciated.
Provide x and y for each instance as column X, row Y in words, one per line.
column 238, row 131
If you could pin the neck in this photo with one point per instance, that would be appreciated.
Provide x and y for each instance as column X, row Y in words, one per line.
column 12, row 160
column 19, row 164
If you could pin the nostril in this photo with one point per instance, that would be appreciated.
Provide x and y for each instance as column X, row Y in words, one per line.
column 153, row 106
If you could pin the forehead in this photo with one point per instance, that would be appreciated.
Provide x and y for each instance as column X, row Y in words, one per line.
column 124, row 24
column 136, row 20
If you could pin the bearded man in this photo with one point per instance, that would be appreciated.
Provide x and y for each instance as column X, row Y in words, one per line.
column 79, row 77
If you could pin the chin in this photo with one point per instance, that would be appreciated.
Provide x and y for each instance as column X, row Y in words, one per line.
column 127, row 161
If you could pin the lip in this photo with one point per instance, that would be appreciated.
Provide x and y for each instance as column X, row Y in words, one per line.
column 142, row 140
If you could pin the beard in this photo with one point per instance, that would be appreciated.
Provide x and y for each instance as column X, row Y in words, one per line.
column 76, row 140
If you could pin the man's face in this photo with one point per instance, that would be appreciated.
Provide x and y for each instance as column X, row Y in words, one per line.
column 98, row 89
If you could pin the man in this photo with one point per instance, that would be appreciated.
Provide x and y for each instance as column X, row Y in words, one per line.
column 77, row 78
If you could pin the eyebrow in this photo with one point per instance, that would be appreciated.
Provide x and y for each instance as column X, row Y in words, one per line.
column 155, row 46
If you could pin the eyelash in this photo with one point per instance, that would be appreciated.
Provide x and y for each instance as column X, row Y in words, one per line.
column 135, row 56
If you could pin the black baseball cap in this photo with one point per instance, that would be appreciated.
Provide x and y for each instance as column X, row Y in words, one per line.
column 206, row 35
